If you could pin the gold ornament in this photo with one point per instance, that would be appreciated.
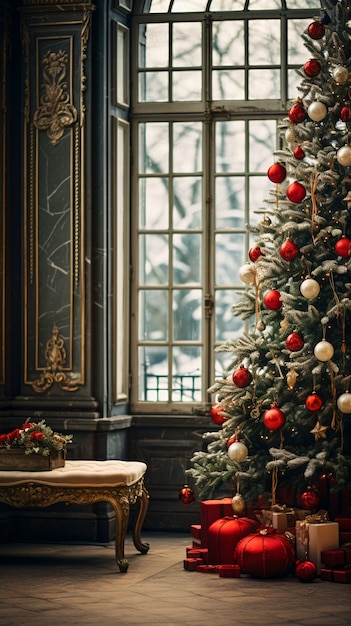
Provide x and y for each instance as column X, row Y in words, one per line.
column 319, row 431
column 238, row 504
column 291, row 378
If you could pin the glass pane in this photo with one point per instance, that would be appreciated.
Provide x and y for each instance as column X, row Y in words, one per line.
column 187, row 147
column 187, row 202
column 259, row 192
column 184, row 6
column 153, row 45
column 227, row 326
column 228, row 43
column 186, row 373
column 187, row 86
column 153, row 87
column 187, row 312
column 228, row 85
column 230, row 202
column 157, row 6
column 227, row 5
column 187, row 45
column 153, row 259
column 264, row 84
column 264, row 42
column 153, row 374
column 294, row 80
column 297, row 51
column 264, row 4
column 262, row 137
column 229, row 134
column 230, row 256
column 153, row 147
column 153, row 318
column 186, row 259
column 153, row 203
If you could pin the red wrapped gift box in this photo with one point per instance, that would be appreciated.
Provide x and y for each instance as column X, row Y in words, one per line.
column 344, row 523
column 210, row 511
column 190, row 564
column 333, row 558
column 195, row 531
column 229, row 571
column 344, row 537
column 336, row 575
column 207, row 569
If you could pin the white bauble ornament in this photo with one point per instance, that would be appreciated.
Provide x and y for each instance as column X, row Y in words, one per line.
column 310, row 288
column 344, row 402
column 238, row 503
column 237, row 451
column 343, row 156
column 317, row 111
column 324, row 351
column 247, row 273
column 289, row 135
column 340, row 74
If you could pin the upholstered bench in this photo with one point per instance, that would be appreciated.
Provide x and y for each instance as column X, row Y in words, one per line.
column 84, row 482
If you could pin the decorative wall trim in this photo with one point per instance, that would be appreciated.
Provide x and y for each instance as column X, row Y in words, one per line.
column 55, row 53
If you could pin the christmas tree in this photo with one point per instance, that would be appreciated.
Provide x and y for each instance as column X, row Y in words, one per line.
column 284, row 405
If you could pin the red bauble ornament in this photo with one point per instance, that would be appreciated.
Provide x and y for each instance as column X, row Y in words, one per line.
column 232, row 439
column 288, row 250
column 295, row 192
column 216, row 416
column 312, row 68
column 345, row 114
column 309, row 499
column 297, row 113
column 255, row 253
column 273, row 418
column 271, row 300
column 316, row 30
column 313, row 402
column 276, row 173
column 299, row 153
column 343, row 247
column 294, row 342
column 265, row 554
column 186, row 495
column 224, row 535
column 242, row 377
column 306, row 571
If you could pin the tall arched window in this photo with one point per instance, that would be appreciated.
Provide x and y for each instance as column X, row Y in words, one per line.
column 210, row 80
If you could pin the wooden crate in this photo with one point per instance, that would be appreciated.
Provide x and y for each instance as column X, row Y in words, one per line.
column 12, row 460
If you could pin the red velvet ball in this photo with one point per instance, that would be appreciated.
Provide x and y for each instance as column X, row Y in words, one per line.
column 306, row 571
column 294, row 342
column 313, row 402
column 316, row 30
column 265, row 555
column 272, row 300
column 343, row 247
column 216, row 416
column 224, row 535
column 254, row 254
column 309, row 499
column 299, row 153
column 274, row 418
column 345, row 114
column 288, row 250
column 312, row 68
column 295, row 192
column 186, row 495
column 276, row 173
column 242, row 377
column 297, row 113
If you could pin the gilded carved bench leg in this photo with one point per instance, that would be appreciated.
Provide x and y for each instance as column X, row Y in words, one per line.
column 121, row 507
column 143, row 502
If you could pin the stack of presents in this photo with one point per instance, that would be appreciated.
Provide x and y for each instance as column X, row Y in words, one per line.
column 274, row 542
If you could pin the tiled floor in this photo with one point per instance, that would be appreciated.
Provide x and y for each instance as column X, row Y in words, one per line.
column 79, row 585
